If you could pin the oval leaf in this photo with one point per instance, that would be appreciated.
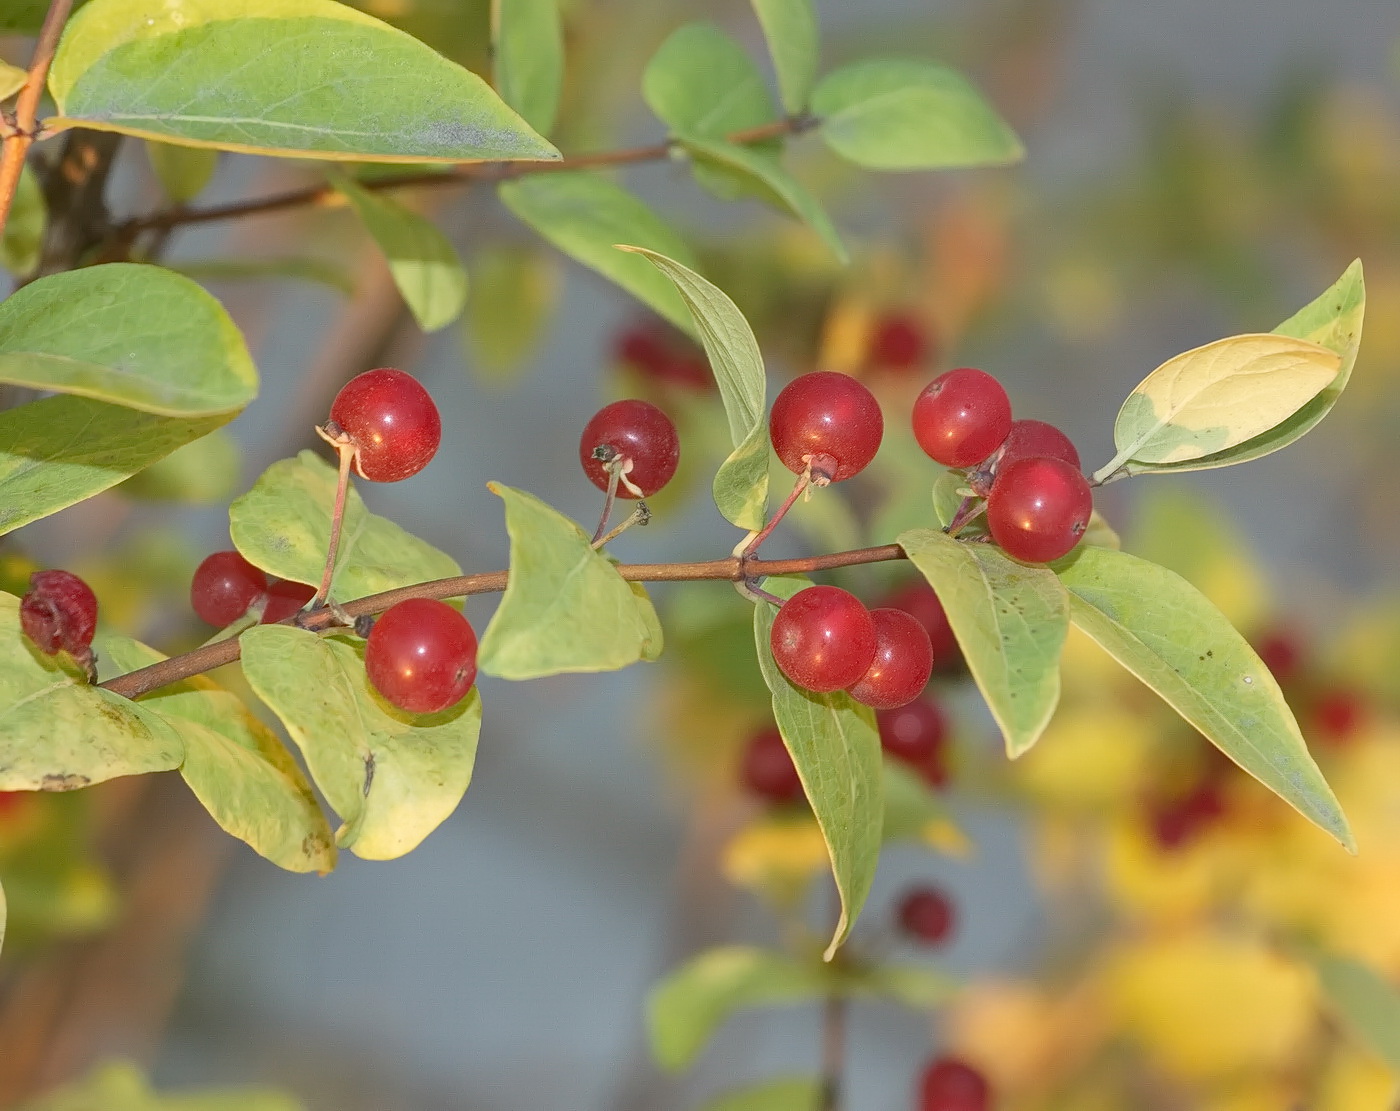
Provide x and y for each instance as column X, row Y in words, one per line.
column 565, row 607
column 584, row 215
column 701, row 82
column 836, row 748
column 790, row 26
column 392, row 777
column 515, row 291
column 527, row 41
column 23, row 240
column 128, row 334
column 1367, row 1003
column 204, row 472
column 183, row 171
column 1010, row 621
column 901, row 114
column 914, row 811
column 12, row 79
column 295, row 78
column 1168, row 634
column 283, row 525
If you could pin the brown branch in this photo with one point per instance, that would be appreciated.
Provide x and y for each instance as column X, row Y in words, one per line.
column 733, row 569
column 26, row 122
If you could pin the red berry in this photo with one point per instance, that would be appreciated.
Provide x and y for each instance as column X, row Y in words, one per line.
column 638, row 433
column 826, row 414
column 223, row 588
column 903, row 662
column 1038, row 509
column 961, row 417
column 59, row 613
column 664, row 356
column 952, row 1085
column 823, row 638
column 1337, row 714
column 913, row 733
column 1177, row 822
column 643, row 349
column 898, row 342
column 1282, row 654
column 1033, row 439
column 767, row 770
column 285, row 598
column 926, row 915
column 392, row 422
column 421, row 656
column 917, row 598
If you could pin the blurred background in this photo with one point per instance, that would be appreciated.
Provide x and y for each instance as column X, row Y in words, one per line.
column 1194, row 169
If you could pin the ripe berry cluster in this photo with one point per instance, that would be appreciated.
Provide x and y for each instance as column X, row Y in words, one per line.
column 225, row 586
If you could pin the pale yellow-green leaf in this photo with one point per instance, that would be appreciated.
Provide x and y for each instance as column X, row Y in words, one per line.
column 783, row 1093
column 514, row 291
column 23, row 241
column 794, row 42
column 183, row 171
column 527, row 39
column 12, row 79
column 118, row 1086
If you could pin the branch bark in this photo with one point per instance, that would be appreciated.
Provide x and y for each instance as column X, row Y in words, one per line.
column 26, row 123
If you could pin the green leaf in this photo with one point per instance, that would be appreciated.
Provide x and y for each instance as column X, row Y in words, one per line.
column 392, row 777
column 319, row 270
column 203, row 472
column 1168, row 634
column 283, row 525
column 1367, row 1003
column 915, row 986
column 741, row 483
column 584, row 215
column 12, row 78
column 294, row 78
column 527, row 41
column 234, row 764
column 794, row 41
column 425, row 266
column 515, row 292
column 26, row 16
column 785, row 1093
column 59, row 450
column 57, row 733
column 121, row 1087
column 183, row 172
column 565, row 607
column 903, row 114
column 836, row 748
column 916, row 812
column 691, row 1003
column 23, row 241
column 1010, row 621
column 701, row 82
column 1333, row 320
column 128, row 334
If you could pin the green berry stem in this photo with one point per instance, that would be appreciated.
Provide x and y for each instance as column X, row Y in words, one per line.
column 641, row 515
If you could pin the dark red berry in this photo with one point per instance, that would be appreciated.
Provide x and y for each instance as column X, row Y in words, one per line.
column 664, row 356
column 918, row 599
column 830, row 415
column 903, row 662
column 767, row 770
column 637, row 436
column 926, row 915
column 823, row 638
column 1033, row 439
column 1282, row 653
column 1179, row 821
column 285, row 598
column 898, row 342
column 1337, row 714
column 223, row 588
column 952, row 1085
column 59, row 613
column 643, row 349
column 392, row 422
column 913, row 733
column 421, row 656
column 961, row 417
column 1038, row 509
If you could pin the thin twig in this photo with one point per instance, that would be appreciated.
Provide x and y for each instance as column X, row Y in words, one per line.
column 833, row 1051
column 18, row 142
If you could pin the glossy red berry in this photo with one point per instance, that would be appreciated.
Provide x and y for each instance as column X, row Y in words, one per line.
column 391, row 420
column 918, row 599
column 1038, row 509
column 926, row 915
column 903, row 662
column 224, row 586
column 59, row 613
column 898, row 342
column 638, row 433
column 961, row 417
column 823, row 638
column 826, row 414
column 1033, row 439
column 914, row 733
column 767, row 770
column 285, row 598
column 952, row 1085
column 421, row 656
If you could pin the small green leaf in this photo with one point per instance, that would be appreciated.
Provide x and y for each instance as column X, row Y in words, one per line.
column 527, row 41
column 691, row 1003
column 204, row 472
column 565, row 607
column 1168, row 634
column 516, row 290
column 23, row 241
column 183, row 172
column 283, row 525
column 392, row 777
column 12, row 78
column 914, row 811
column 948, row 496
column 1367, row 1003
column 794, row 41
column 784, row 1093
column 1010, row 621
column 903, row 114
column 128, row 334
column 836, row 748
column 741, row 484
column 585, row 214
column 293, row 78
column 915, row 986
column 701, row 82
column 425, row 266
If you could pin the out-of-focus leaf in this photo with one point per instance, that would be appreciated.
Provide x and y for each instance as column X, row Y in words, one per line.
column 785, row 1093
column 183, row 171
column 701, row 82
column 1369, row 1004
column 24, row 232
column 318, row 270
column 527, row 40
column 203, row 472
column 794, row 41
column 515, row 290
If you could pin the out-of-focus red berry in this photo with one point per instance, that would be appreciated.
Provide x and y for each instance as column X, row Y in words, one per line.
column 1337, row 714
column 919, row 601
column 898, row 341
column 1282, row 653
column 1178, row 821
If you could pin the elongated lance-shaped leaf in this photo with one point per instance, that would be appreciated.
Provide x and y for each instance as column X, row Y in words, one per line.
column 741, row 484
column 794, row 42
column 1010, row 621
column 1168, row 634
column 1366, row 1002
column 836, row 749
column 527, row 46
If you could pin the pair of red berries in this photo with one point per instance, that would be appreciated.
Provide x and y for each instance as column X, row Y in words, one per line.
column 225, row 586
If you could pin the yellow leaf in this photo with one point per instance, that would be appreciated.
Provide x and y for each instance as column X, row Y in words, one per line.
column 776, row 856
